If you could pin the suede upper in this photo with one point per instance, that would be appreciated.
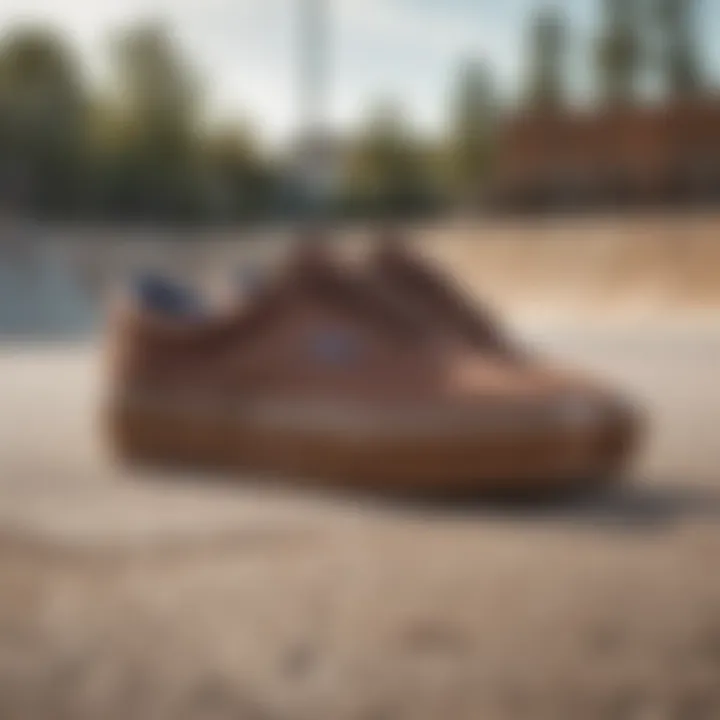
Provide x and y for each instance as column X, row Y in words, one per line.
column 321, row 331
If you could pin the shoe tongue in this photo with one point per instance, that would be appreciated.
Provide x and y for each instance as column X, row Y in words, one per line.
column 314, row 266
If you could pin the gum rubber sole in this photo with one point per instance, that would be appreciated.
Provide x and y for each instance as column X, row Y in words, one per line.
column 370, row 458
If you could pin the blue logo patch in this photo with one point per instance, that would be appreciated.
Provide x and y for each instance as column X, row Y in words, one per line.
column 335, row 348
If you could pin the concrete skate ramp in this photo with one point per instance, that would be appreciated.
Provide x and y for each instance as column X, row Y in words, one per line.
column 640, row 268
column 611, row 268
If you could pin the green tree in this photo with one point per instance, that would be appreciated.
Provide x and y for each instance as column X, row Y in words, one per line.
column 42, row 123
column 681, row 67
column 619, row 52
column 471, row 131
column 156, row 158
column 546, row 74
column 239, row 181
column 387, row 172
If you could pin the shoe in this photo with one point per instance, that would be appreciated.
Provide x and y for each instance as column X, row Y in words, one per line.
column 325, row 376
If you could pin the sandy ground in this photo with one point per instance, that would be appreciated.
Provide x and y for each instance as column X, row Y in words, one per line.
column 135, row 596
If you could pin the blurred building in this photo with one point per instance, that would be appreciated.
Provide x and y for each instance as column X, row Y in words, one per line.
column 625, row 156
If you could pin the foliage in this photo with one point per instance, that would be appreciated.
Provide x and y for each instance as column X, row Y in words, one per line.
column 388, row 169
column 42, row 122
column 140, row 151
column 140, row 148
column 471, row 138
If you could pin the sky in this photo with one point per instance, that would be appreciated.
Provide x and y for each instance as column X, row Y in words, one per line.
column 407, row 50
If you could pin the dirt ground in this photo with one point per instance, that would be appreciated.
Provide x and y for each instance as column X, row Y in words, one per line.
column 134, row 595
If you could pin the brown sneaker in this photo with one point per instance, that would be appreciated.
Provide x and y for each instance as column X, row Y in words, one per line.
column 320, row 376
